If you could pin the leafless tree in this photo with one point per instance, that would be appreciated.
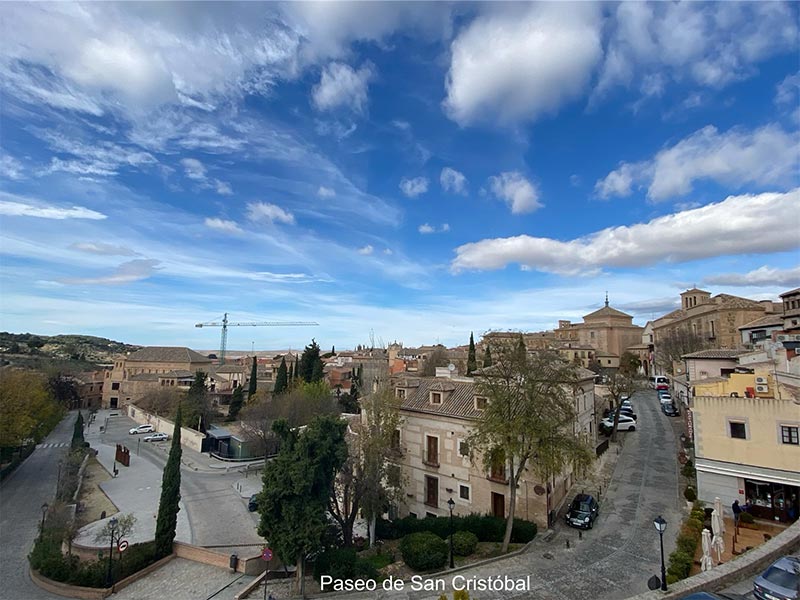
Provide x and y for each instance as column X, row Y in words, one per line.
column 670, row 347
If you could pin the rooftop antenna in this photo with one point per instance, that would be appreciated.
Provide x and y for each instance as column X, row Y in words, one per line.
column 606, row 298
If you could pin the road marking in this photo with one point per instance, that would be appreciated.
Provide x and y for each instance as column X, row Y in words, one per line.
column 53, row 445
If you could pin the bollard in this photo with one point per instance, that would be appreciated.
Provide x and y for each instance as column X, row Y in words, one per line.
column 580, row 535
column 567, row 544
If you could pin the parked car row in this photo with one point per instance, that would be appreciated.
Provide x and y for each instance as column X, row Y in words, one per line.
column 780, row 581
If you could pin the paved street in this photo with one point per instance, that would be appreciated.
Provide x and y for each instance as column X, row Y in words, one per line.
column 21, row 498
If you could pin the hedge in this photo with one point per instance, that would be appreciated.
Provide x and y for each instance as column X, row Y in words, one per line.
column 681, row 560
column 46, row 557
column 464, row 543
column 424, row 551
column 690, row 494
column 487, row 528
column 344, row 563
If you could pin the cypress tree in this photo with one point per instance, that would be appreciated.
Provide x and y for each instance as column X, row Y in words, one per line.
column 317, row 374
column 487, row 357
column 333, row 349
column 296, row 367
column 170, row 495
column 281, row 379
column 290, row 377
column 472, row 363
column 236, row 403
column 251, row 390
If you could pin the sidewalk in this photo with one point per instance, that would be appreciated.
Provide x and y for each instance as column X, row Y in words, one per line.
column 136, row 490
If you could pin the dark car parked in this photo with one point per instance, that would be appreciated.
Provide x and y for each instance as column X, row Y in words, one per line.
column 780, row 581
column 670, row 410
column 713, row 596
column 582, row 512
column 252, row 505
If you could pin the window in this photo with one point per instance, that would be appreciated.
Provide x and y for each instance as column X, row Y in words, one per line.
column 396, row 439
column 789, row 435
column 432, row 491
column 738, row 429
column 431, row 451
column 463, row 448
column 115, row 385
column 400, row 393
column 463, row 492
column 480, row 403
column 436, row 397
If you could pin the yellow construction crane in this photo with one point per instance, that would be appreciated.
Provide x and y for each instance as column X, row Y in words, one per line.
column 225, row 324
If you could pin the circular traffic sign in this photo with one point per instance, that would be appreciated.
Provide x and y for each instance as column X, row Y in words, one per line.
column 122, row 545
column 266, row 554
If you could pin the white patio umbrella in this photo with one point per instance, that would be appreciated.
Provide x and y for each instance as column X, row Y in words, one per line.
column 718, row 541
column 706, row 562
column 718, row 508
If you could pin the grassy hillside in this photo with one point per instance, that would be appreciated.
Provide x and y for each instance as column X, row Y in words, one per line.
column 64, row 352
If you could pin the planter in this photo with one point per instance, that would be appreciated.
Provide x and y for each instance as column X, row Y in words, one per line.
column 748, row 526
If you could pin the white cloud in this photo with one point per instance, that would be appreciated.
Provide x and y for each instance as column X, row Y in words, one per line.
column 747, row 224
column 10, row 167
column 712, row 44
column 453, row 181
column 445, row 227
column 425, row 228
column 222, row 188
column 414, row 187
column 194, row 169
column 521, row 195
column 574, row 180
column 522, row 62
column 263, row 211
column 388, row 251
column 325, row 192
column 103, row 249
column 366, row 250
column 765, row 156
column 222, row 225
column 19, row 209
column 764, row 275
column 341, row 86
column 134, row 270
column 788, row 90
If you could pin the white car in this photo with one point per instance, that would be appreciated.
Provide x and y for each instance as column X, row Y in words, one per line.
column 142, row 429
column 156, row 437
column 666, row 399
column 624, row 424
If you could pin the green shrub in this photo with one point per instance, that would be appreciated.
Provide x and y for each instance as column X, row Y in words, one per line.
column 364, row 569
column 339, row 563
column 695, row 525
column 746, row 518
column 423, row 551
column 687, row 543
column 679, row 564
column 690, row 494
column 464, row 543
column 688, row 469
column 523, row 531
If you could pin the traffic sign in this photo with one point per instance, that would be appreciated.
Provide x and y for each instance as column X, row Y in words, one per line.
column 122, row 545
column 266, row 554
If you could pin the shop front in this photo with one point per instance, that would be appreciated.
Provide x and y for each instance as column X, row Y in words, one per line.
column 773, row 501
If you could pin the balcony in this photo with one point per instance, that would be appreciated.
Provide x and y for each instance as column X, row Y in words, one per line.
column 498, row 476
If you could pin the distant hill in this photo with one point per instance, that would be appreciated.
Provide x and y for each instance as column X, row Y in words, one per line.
column 80, row 352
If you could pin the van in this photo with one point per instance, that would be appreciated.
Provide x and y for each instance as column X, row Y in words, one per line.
column 659, row 382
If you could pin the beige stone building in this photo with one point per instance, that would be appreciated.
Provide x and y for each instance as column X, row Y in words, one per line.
column 150, row 368
column 714, row 319
column 437, row 416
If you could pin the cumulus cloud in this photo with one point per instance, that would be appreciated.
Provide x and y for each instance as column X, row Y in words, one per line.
column 414, row 187
column 762, row 276
column 103, row 249
column 746, row 224
column 263, row 211
column 453, row 181
column 222, row 188
column 522, row 62
column 19, row 209
column 340, row 86
column 222, row 225
column 765, row 156
column 521, row 195
column 129, row 272
column 366, row 250
column 711, row 44
column 325, row 192
column 427, row 228
column 788, row 90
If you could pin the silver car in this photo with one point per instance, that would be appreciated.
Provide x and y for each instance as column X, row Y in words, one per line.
column 156, row 437
column 780, row 581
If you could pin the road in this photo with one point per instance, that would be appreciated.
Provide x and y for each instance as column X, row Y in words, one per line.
column 217, row 514
column 21, row 497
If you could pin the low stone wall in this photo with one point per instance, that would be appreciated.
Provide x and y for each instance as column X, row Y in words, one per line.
column 143, row 573
column 189, row 437
column 66, row 590
column 252, row 565
column 750, row 563
column 90, row 553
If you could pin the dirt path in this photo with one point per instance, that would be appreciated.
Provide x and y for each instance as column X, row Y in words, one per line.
column 92, row 499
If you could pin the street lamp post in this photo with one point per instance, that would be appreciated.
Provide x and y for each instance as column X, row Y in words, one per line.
column 44, row 515
column 450, row 505
column 109, row 577
column 661, row 526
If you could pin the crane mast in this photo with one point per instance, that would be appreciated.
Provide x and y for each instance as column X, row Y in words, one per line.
column 225, row 324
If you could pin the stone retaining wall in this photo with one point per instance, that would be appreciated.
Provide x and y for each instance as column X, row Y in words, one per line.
column 750, row 563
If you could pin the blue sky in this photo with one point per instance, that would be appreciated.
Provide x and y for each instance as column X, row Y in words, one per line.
column 411, row 171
